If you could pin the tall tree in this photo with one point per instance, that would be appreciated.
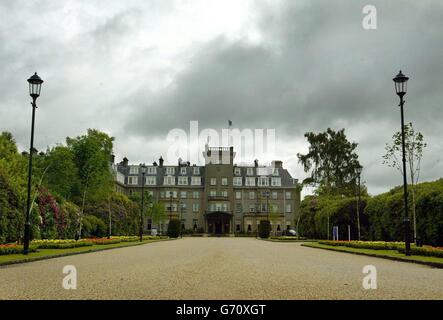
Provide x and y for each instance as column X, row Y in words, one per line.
column 92, row 153
column 331, row 161
column 414, row 145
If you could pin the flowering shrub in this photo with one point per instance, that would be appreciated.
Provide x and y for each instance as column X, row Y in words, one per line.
column 375, row 245
column 60, row 244
column 53, row 221
column 14, row 248
column 103, row 241
column 425, row 251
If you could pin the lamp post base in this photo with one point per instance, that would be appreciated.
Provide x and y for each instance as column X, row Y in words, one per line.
column 407, row 225
column 27, row 238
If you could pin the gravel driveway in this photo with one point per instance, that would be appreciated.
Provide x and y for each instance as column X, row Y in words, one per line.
column 219, row 268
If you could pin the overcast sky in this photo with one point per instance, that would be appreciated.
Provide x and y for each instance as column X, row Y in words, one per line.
column 137, row 69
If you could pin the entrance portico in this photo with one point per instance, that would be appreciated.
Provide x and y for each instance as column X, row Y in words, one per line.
column 218, row 222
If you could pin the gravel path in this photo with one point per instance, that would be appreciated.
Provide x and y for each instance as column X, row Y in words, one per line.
column 219, row 268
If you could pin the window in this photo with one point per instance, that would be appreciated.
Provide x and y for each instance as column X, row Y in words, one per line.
column 273, row 208
column 169, row 181
column 238, row 181
column 251, row 208
column 183, row 194
column 250, row 182
column 151, row 170
column 238, row 207
column 213, row 181
column 196, row 181
column 170, row 170
column 196, row 194
column 275, row 171
column 132, row 180
column 150, row 180
column 237, row 171
column 224, row 193
column 171, row 208
column 238, row 195
column 183, row 207
column 195, row 207
column 251, row 195
column 288, row 208
column 263, row 182
column 224, row 181
column 183, row 170
column 196, row 170
column 262, row 171
column 212, row 193
column 171, row 193
column 276, row 182
column 151, row 193
column 182, row 181
column 288, row 195
column 250, row 171
column 133, row 170
column 274, row 195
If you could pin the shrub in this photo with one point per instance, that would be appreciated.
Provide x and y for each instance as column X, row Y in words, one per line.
column 174, row 228
column 264, row 229
column 374, row 245
column 104, row 241
column 424, row 251
column 14, row 248
column 60, row 244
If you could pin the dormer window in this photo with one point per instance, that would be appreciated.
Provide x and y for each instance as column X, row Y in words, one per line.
column 237, row 171
column 151, row 170
column 196, row 171
column 183, row 170
column 250, row 171
column 133, row 170
column 275, row 171
column 170, row 170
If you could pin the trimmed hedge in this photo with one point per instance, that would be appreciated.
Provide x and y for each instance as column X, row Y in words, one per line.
column 264, row 229
column 14, row 249
column 424, row 251
column 174, row 228
column 374, row 245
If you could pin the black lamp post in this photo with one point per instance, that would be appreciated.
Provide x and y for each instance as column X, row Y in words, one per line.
column 358, row 171
column 400, row 82
column 35, row 85
column 170, row 206
column 143, row 168
column 182, row 207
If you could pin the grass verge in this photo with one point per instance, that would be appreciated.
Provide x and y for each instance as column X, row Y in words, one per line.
column 386, row 254
column 43, row 254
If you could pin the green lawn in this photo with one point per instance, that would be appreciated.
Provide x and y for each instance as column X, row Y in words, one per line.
column 53, row 253
column 388, row 254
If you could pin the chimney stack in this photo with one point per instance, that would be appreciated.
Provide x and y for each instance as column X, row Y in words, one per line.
column 160, row 161
column 256, row 163
column 125, row 162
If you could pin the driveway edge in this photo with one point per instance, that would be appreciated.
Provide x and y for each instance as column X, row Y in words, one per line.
column 430, row 264
column 66, row 254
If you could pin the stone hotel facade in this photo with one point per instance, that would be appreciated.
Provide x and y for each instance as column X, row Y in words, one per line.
column 219, row 197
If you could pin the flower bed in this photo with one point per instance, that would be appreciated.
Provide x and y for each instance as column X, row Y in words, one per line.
column 60, row 244
column 104, row 241
column 374, row 245
column 425, row 251
column 14, row 248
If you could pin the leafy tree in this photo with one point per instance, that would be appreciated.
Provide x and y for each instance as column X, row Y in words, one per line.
column 332, row 161
column 62, row 173
column 414, row 145
column 91, row 156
